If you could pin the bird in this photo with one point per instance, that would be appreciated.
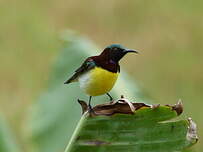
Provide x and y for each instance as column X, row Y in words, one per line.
column 98, row 74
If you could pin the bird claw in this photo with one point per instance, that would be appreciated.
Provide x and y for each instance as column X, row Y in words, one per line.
column 91, row 110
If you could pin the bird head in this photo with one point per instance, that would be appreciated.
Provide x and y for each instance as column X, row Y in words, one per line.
column 115, row 52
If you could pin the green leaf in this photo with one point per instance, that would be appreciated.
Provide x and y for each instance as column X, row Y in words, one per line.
column 140, row 131
column 7, row 141
column 55, row 115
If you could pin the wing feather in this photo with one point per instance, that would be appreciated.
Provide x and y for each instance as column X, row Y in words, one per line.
column 86, row 66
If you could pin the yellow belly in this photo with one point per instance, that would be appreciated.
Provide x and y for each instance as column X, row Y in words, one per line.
column 97, row 81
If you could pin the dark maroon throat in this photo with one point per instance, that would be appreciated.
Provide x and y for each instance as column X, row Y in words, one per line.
column 106, row 64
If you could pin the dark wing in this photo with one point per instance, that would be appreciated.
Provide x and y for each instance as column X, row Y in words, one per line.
column 86, row 66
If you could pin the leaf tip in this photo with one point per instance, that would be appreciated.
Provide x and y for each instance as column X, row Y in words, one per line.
column 84, row 106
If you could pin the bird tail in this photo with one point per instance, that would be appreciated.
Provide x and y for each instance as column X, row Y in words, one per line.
column 72, row 79
column 67, row 81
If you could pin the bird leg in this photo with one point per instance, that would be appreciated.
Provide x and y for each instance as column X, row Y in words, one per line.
column 109, row 96
column 89, row 104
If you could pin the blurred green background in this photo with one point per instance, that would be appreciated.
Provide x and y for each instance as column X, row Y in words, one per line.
column 169, row 35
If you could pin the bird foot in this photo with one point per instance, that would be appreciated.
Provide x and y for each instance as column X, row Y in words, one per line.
column 91, row 110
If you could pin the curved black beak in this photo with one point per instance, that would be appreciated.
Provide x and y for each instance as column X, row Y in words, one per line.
column 128, row 51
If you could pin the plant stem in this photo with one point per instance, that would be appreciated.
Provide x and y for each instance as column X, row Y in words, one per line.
column 76, row 131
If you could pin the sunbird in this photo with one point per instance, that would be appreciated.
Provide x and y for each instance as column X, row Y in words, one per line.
column 98, row 74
